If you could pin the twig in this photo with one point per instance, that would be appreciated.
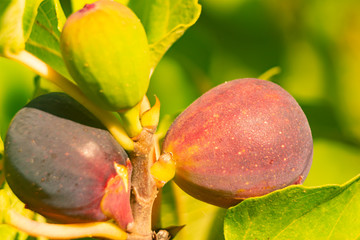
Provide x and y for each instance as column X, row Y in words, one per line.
column 64, row 231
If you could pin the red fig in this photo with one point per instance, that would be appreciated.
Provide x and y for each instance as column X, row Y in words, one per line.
column 241, row 139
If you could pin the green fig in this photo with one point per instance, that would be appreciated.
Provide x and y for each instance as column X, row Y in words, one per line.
column 105, row 49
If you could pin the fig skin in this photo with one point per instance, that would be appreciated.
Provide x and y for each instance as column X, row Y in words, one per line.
column 60, row 160
column 243, row 138
column 105, row 49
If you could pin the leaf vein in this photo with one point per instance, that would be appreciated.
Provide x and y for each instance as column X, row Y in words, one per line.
column 341, row 214
column 250, row 223
column 52, row 33
column 45, row 15
column 38, row 45
column 334, row 195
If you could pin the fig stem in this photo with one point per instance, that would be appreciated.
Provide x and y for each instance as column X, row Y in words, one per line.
column 44, row 70
column 270, row 73
column 64, row 231
column 131, row 120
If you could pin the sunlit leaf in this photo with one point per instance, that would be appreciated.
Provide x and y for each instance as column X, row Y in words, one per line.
column 35, row 26
column 16, row 20
column 297, row 212
column 165, row 21
column 44, row 38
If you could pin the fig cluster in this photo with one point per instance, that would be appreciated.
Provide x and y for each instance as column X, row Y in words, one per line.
column 241, row 139
column 244, row 138
column 59, row 159
column 62, row 163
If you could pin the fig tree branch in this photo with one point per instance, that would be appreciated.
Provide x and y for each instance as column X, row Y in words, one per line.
column 144, row 189
column 65, row 231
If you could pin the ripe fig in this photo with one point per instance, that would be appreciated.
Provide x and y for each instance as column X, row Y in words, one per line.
column 62, row 163
column 105, row 49
column 241, row 139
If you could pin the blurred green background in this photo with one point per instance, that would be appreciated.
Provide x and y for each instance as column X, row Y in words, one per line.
column 317, row 46
column 315, row 43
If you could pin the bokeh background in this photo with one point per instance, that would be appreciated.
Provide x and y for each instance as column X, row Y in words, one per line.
column 315, row 43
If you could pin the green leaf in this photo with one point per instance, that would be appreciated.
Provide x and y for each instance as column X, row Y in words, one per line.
column 297, row 212
column 165, row 21
column 44, row 38
column 35, row 26
column 16, row 20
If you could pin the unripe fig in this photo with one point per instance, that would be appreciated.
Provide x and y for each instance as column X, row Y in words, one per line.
column 62, row 163
column 241, row 139
column 105, row 49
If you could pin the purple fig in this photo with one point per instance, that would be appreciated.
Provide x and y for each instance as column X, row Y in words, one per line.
column 62, row 163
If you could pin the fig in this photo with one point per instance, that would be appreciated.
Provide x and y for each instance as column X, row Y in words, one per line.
column 105, row 49
column 62, row 163
column 243, row 138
